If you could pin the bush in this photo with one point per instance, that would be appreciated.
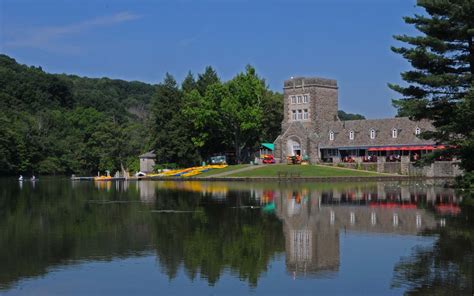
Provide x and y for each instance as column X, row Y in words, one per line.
column 465, row 181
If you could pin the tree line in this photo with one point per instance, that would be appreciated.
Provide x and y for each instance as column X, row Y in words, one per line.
column 62, row 124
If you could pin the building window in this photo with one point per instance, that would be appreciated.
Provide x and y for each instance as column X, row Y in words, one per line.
column 305, row 114
column 293, row 99
column 417, row 131
column 351, row 135
column 394, row 133
column 305, row 99
column 331, row 136
column 372, row 134
column 300, row 114
column 300, row 99
column 293, row 115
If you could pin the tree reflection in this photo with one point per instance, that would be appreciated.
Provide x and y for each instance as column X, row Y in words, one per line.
column 215, row 237
column 55, row 224
column 215, row 228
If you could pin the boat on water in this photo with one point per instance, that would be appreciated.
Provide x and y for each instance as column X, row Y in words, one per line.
column 32, row 179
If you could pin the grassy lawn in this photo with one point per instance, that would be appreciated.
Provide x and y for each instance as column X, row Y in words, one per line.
column 303, row 170
column 218, row 171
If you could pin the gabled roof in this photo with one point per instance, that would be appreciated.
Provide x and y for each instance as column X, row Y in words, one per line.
column 383, row 132
column 150, row 154
column 270, row 146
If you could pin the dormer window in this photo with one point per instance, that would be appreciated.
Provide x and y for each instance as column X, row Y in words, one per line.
column 417, row 131
column 331, row 136
column 351, row 135
column 372, row 134
column 394, row 133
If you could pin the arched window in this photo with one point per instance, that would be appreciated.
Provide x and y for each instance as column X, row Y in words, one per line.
column 417, row 131
column 331, row 136
column 394, row 133
column 351, row 135
column 372, row 134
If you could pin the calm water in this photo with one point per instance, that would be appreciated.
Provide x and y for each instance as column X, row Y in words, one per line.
column 59, row 237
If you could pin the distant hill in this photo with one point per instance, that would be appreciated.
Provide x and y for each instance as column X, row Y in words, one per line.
column 53, row 123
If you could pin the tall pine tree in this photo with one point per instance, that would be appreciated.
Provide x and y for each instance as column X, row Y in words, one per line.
column 439, row 86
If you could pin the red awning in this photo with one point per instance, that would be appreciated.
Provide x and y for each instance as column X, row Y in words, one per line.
column 406, row 148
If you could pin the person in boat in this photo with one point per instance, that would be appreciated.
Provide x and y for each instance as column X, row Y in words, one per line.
column 20, row 178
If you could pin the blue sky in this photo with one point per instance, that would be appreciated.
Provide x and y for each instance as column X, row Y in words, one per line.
column 348, row 40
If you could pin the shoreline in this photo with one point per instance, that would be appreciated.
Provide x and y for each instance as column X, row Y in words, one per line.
column 298, row 179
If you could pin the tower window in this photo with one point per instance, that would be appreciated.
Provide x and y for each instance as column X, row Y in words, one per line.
column 372, row 134
column 305, row 99
column 394, row 133
column 300, row 115
column 417, row 131
column 305, row 114
column 300, row 99
column 331, row 136
column 293, row 99
column 293, row 115
column 351, row 135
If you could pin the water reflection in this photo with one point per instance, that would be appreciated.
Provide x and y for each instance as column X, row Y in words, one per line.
column 313, row 215
column 208, row 228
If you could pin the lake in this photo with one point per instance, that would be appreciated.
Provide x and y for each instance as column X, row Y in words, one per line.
column 59, row 237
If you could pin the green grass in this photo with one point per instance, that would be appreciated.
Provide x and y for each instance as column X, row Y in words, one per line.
column 218, row 171
column 304, row 171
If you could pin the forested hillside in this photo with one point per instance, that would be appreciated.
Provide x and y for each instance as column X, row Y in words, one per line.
column 62, row 124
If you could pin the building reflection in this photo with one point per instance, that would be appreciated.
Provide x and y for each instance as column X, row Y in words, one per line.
column 313, row 219
column 314, row 215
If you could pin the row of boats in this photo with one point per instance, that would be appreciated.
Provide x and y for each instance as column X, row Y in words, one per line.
column 32, row 179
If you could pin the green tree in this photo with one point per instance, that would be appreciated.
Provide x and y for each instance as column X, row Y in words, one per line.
column 206, row 79
column 241, row 110
column 189, row 83
column 349, row 116
column 170, row 131
column 438, row 86
column 272, row 105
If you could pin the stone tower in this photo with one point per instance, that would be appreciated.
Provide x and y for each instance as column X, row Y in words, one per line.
column 309, row 104
column 310, row 101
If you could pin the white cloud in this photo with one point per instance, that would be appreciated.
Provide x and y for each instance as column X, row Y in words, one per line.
column 48, row 38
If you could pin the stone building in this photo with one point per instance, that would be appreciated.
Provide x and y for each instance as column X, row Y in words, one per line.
column 311, row 128
column 147, row 162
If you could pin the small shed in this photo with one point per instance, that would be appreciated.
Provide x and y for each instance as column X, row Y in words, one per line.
column 266, row 148
column 147, row 161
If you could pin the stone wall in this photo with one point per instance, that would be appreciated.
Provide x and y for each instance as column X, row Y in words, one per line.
column 437, row 169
